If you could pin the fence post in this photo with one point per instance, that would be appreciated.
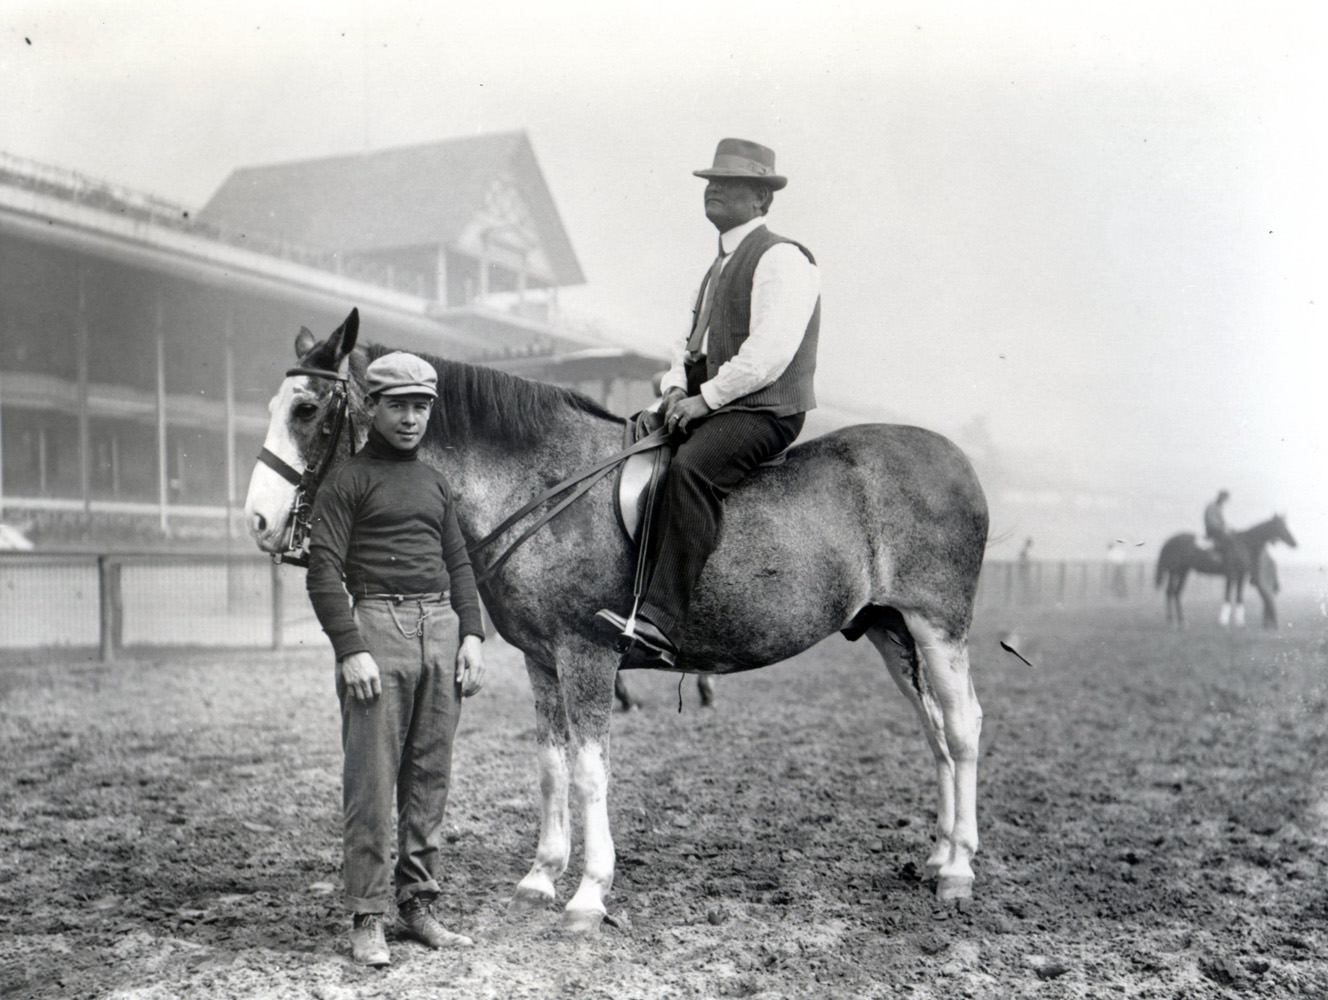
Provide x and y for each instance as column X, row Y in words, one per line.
column 278, row 638
column 111, row 605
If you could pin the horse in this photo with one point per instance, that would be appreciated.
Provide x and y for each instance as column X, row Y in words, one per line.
column 1182, row 553
column 875, row 530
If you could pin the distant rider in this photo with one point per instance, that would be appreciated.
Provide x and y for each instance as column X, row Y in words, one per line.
column 1215, row 528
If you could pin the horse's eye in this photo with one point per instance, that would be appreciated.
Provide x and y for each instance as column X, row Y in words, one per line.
column 304, row 411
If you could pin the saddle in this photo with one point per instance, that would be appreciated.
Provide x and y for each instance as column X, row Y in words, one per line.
column 638, row 480
column 639, row 477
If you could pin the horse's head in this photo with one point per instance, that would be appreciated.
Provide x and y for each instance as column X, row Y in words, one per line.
column 310, row 430
column 1281, row 533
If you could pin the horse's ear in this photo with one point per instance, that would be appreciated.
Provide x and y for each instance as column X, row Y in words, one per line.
column 342, row 341
column 304, row 342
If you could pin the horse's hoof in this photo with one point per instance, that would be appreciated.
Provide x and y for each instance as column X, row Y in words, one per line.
column 950, row 887
column 581, row 922
column 528, row 901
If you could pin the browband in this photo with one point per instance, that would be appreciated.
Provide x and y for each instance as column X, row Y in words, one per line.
column 317, row 373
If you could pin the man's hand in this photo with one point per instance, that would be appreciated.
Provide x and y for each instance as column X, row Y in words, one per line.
column 470, row 665
column 679, row 414
column 359, row 673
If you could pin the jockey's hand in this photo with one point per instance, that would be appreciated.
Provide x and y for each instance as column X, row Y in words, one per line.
column 682, row 414
column 470, row 665
column 359, row 673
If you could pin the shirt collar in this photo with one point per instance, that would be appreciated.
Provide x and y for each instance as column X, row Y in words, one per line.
column 380, row 447
column 729, row 240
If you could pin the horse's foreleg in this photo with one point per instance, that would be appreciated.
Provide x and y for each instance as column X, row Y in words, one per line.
column 536, row 890
column 1269, row 605
column 945, row 674
column 587, row 680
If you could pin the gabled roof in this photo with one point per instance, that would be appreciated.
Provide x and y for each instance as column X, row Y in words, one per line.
column 416, row 196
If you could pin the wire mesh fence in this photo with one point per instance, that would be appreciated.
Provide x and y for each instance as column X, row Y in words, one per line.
column 116, row 600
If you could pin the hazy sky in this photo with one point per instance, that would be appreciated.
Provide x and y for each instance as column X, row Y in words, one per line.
column 1101, row 231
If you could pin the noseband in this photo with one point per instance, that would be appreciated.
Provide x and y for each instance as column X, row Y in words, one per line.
column 294, row 546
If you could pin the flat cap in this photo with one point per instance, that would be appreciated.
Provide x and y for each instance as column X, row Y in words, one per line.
column 400, row 374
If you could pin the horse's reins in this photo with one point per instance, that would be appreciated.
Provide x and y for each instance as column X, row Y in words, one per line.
column 300, row 523
column 586, row 477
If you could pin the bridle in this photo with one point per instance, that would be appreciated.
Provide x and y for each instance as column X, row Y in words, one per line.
column 295, row 540
column 299, row 524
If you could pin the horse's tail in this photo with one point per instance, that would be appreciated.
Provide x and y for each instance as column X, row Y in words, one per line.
column 1163, row 567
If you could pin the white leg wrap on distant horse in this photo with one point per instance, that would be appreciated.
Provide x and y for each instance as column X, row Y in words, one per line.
column 1238, row 618
column 1224, row 616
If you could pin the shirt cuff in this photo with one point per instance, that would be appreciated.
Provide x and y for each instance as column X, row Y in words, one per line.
column 713, row 395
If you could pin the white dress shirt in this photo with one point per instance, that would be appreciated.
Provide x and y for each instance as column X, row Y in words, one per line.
column 785, row 288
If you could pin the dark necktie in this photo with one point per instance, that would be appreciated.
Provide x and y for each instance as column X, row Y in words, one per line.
column 703, row 314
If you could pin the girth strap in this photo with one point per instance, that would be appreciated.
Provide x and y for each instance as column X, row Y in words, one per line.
column 586, row 477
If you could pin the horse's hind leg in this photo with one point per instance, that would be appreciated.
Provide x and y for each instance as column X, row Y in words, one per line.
column 933, row 672
column 536, row 890
column 1175, row 585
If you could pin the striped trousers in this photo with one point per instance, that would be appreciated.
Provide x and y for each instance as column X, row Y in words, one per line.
column 721, row 451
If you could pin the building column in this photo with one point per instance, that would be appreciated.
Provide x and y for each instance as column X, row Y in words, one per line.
column 163, row 466
column 440, row 276
column 230, row 419
column 2, row 438
column 81, row 361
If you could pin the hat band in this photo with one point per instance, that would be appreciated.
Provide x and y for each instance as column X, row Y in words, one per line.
column 726, row 161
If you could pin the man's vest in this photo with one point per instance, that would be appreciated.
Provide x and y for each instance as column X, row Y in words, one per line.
column 730, row 325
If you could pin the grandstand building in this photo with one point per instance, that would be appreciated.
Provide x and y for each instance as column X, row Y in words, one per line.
column 140, row 340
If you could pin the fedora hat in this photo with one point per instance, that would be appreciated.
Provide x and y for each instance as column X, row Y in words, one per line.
column 740, row 158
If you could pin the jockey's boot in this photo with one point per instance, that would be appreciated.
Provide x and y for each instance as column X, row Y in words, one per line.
column 415, row 919
column 368, row 945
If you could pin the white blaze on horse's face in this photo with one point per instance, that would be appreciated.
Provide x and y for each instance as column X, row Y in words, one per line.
column 268, row 504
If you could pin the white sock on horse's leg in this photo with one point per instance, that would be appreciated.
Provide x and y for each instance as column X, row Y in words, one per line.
column 1239, row 619
column 1224, row 616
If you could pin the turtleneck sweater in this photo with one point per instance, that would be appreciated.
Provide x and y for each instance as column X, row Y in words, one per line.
column 384, row 523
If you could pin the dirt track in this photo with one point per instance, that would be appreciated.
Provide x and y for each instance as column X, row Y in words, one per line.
column 1153, row 807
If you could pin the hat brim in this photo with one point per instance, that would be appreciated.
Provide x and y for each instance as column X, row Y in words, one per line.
column 405, row 390
column 773, row 181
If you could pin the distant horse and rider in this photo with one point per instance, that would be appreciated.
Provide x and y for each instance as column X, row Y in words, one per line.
column 1237, row 556
column 872, row 530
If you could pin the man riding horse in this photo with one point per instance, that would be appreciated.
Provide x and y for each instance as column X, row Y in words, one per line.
column 1228, row 549
column 736, row 394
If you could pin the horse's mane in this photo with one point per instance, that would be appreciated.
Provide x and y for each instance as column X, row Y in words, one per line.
column 479, row 403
